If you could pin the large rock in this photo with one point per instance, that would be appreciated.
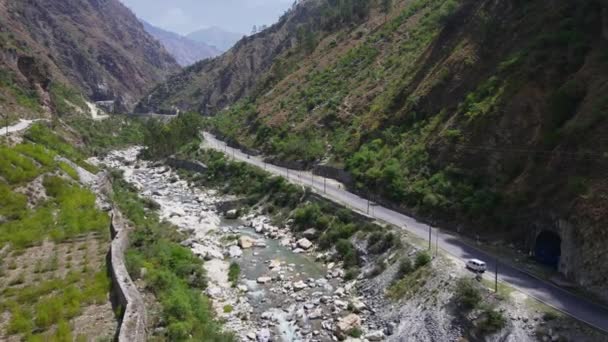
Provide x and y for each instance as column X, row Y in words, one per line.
column 299, row 285
column 263, row 280
column 347, row 324
column 235, row 252
column 377, row 335
column 246, row 242
column 305, row 244
column 357, row 305
column 310, row 233
column 232, row 214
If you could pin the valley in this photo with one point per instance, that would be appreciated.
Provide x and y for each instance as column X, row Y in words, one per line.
column 360, row 170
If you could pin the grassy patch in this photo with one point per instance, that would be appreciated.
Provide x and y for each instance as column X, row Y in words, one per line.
column 233, row 273
column 410, row 284
column 37, row 308
column 44, row 136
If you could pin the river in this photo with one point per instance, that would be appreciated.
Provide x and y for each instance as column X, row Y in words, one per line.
column 287, row 291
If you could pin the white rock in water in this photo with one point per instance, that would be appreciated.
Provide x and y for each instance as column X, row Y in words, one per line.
column 285, row 242
column 274, row 264
column 259, row 229
column 264, row 280
column 305, row 244
column 377, row 335
column 298, row 251
column 235, row 252
column 299, row 285
column 243, row 288
column 246, row 242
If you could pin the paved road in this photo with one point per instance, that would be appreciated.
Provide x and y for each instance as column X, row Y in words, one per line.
column 543, row 291
column 22, row 125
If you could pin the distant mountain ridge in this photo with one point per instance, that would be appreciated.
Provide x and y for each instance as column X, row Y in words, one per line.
column 95, row 47
column 217, row 37
column 185, row 50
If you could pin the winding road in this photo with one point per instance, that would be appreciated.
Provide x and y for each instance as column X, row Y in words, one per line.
column 546, row 292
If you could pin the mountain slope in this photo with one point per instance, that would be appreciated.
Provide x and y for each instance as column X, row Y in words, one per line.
column 486, row 116
column 96, row 47
column 214, row 36
column 186, row 51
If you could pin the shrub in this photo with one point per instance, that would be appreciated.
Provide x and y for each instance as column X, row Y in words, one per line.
column 233, row 273
column 228, row 308
column 492, row 321
column 352, row 273
column 405, row 268
column 355, row 332
column 347, row 253
column 423, row 258
column 467, row 293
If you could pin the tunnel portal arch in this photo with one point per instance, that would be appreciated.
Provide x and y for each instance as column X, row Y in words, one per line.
column 547, row 248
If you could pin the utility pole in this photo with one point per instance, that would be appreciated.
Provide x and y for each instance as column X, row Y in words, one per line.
column 324, row 185
column 496, row 274
column 430, row 238
column 368, row 207
column 437, row 242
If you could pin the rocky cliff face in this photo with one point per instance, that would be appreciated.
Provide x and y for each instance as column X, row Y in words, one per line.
column 97, row 47
column 185, row 51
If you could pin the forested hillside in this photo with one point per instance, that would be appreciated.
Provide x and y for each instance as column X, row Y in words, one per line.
column 488, row 116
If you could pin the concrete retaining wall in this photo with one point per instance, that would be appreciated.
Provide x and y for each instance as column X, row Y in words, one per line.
column 340, row 175
column 187, row 165
column 133, row 325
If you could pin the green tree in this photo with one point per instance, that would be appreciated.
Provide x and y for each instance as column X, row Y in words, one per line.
column 386, row 6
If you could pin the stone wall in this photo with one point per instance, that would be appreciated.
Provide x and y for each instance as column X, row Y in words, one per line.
column 133, row 325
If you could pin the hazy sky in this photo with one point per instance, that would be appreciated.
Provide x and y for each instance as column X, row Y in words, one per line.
column 185, row 16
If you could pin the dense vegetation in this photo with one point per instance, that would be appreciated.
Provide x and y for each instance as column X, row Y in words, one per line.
column 100, row 137
column 173, row 273
column 164, row 139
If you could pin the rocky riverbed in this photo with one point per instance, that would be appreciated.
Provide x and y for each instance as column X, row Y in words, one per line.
column 287, row 290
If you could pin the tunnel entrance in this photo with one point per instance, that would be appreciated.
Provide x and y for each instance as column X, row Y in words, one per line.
column 547, row 249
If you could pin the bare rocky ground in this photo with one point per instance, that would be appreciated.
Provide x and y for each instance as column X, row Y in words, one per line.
column 289, row 291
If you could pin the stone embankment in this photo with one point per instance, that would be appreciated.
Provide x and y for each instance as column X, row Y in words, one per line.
column 133, row 325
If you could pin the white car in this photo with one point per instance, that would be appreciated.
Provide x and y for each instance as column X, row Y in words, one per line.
column 476, row 265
